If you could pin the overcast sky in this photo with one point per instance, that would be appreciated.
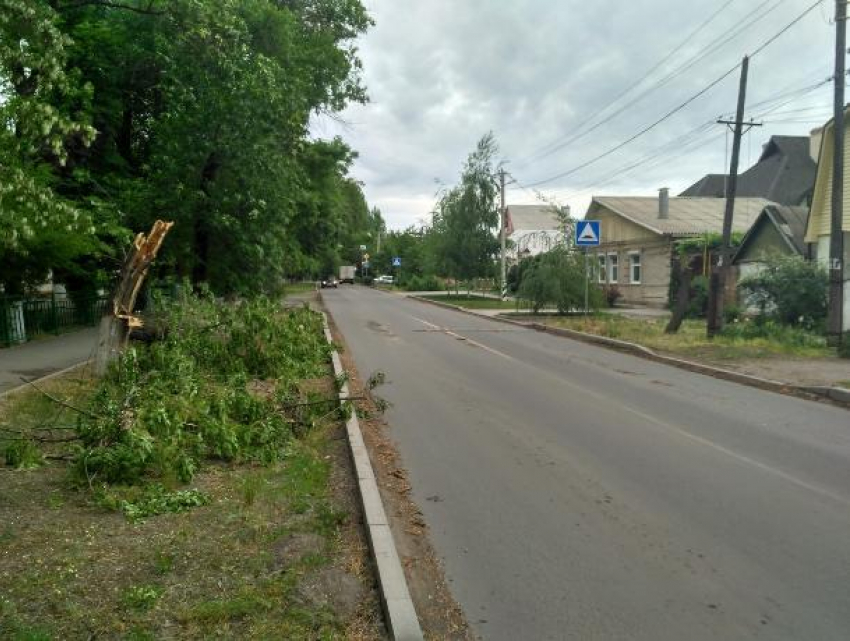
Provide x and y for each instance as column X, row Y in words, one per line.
column 442, row 73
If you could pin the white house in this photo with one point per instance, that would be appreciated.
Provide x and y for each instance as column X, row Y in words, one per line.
column 533, row 229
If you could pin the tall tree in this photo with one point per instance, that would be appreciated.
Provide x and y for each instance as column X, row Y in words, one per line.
column 466, row 217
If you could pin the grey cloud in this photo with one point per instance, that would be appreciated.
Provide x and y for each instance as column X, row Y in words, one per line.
column 442, row 73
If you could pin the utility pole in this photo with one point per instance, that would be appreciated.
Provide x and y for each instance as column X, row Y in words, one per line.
column 719, row 277
column 836, row 236
column 504, row 236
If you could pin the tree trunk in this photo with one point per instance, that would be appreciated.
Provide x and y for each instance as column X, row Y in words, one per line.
column 115, row 327
column 683, row 296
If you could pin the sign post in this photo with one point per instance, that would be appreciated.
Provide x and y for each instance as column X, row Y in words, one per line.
column 587, row 234
column 396, row 267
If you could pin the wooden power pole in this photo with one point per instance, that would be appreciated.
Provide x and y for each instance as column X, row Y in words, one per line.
column 503, row 217
column 719, row 276
column 835, row 314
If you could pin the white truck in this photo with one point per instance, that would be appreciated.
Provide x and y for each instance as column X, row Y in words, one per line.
column 346, row 274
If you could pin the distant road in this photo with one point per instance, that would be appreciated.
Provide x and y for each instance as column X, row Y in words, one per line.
column 578, row 493
column 44, row 356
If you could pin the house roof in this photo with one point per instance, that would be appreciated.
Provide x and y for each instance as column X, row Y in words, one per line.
column 532, row 218
column 784, row 173
column 790, row 223
column 687, row 216
column 709, row 186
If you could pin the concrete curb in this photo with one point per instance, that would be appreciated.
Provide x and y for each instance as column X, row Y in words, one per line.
column 835, row 394
column 61, row 372
column 398, row 607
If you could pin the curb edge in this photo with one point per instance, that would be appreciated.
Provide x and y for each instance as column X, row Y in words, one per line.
column 402, row 622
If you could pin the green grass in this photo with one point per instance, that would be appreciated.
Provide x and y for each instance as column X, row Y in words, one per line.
column 691, row 341
column 472, row 301
column 72, row 569
column 299, row 288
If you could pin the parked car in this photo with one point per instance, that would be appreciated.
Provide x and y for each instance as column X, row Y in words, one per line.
column 384, row 280
column 330, row 281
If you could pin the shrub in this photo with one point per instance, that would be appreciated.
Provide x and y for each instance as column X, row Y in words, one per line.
column 165, row 408
column 611, row 294
column 556, row 278
column 844, row 346
column 790, row 290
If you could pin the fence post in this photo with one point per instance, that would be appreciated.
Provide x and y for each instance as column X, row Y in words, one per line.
column 54, row 318
column 5, row 317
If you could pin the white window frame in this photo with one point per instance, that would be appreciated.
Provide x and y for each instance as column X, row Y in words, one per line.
column 601, row 268
column 613, row 267
column 633, row 264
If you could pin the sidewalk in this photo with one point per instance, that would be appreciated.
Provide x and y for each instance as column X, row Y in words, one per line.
column 44, row 356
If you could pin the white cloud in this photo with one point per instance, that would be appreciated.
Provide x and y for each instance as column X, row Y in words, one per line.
column 442, row 73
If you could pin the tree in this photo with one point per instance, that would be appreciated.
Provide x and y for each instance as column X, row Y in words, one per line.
column 119, row 113
column 43, row 109
column 557, row 278
column 789, row 289
column 466, row 215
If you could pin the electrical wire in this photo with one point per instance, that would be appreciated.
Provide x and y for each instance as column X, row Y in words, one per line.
column 545, row 150
column 678, row 108
column 688, row 64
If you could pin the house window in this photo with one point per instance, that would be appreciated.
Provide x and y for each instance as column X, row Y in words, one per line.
column 613, row 268
column 634, row 268
column 600, row 273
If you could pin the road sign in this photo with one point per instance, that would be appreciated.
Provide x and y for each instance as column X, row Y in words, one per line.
column 588, row 233
column 366, row 257
column 365, row 264
column 396, row 261
column 363, row 248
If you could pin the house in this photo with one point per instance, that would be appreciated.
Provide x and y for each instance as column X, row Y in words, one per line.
column 532, row 229
column 639, row 234
column 784, row 174
column 778, row 230
column 819, row 225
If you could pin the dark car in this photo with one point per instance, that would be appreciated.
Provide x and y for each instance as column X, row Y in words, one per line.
column 330, row 281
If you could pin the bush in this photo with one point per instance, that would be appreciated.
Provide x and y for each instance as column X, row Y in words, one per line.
column 556, row 278
column 775, row 332
column 611, row 294
column 790, row 290
column 423, row 284
column 163, row 409
column 844, row 347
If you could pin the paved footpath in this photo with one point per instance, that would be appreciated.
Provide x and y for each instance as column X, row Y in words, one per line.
column 45, row 356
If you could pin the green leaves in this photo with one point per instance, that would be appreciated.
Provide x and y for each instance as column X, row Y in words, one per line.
column 463, row 240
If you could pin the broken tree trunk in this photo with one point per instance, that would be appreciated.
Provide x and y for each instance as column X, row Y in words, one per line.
column 115, row 327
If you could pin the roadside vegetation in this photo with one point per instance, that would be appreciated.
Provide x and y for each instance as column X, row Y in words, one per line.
column 199, row 489
column 471, row 301
column 741, row 340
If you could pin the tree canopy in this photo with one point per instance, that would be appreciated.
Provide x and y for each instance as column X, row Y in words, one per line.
column 198, row 111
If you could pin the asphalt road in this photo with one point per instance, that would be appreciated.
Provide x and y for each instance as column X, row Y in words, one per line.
column 578, row 493
column 44, row 356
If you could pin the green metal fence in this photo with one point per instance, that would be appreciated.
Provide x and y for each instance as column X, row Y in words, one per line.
column 24, row 319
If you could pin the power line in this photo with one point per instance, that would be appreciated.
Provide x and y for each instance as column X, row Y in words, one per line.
column 676, row 109
column 710, row 48
column 543, row 152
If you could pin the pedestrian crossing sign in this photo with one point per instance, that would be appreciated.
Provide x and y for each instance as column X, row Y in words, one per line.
column 587, row 233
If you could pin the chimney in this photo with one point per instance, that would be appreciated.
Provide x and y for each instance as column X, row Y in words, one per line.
column 664, row 202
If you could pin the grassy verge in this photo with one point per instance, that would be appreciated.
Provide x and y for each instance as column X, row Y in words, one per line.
column 260, row 540
column 471, row 301
column 300, row 288
column 691, row 340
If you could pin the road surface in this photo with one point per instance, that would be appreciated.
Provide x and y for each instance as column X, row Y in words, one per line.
column 44, row 356
column 578, row 493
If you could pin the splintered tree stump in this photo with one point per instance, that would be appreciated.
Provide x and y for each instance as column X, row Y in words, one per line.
column 115, row 327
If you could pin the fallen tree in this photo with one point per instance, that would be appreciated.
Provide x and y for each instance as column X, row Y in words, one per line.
column 115, row 327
